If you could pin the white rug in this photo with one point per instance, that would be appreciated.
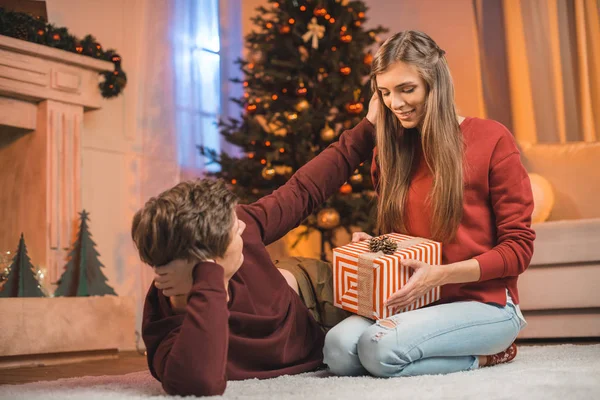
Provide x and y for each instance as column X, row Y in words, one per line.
column 563, row 372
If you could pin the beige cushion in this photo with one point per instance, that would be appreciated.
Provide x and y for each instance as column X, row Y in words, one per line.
column 567, row 242
column 543, row 198
column 573, row 170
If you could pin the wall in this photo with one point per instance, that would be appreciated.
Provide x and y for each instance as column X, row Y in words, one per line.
column 128, row 146
column 451, row 23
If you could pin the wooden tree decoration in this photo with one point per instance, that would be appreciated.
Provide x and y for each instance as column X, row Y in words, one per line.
column 83, row 275
column 21, row 280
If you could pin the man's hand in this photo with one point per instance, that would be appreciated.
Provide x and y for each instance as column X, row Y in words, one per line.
column 174, row 278
column 373, row 108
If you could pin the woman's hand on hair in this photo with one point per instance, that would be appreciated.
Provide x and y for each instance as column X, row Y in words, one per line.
column 373, row 108
column 174, row 278
column 360, row 236
column 424, row 278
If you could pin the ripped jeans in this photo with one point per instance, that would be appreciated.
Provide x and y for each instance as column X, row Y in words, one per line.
column 434, row 340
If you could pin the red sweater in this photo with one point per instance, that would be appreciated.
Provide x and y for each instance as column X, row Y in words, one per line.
column 264, row 330
column 496, row 224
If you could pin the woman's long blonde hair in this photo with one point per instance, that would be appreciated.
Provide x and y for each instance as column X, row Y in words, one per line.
column 441, row 140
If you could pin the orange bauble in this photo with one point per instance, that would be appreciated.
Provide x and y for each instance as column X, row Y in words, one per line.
column 346, row 188
column 355, row 107
column 320, row 12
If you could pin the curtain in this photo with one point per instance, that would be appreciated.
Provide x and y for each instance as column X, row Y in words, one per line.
column 205, row 40
column 540, row 67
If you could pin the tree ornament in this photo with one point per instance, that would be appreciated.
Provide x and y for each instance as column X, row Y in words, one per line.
column 320, row 11
column 302, row 90
column 284, row 170
column 291, row 116
column 284, row 29
column 345, row 70
column 375, row 37
column 21, row 280
column 355, row 107
column 346, row 38
column 328, row 218
column 357, row 178
column 368, row 59
column 83, row 274
column 346, row 188
column 303, row 53
column 268, row 172
column 251, row 108
column 327, row 134
column 303, row 105
column 315, row 32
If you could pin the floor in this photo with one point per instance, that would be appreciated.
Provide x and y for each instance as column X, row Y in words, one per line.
column 126, row 363
column 133, row 362
column 546, row 372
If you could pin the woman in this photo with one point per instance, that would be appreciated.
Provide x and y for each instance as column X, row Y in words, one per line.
column 456, row 180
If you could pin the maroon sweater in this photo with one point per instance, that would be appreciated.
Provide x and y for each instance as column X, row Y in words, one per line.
column 496, row 225
column 264, row 330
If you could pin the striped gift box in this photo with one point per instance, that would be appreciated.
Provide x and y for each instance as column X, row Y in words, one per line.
column 362, row 280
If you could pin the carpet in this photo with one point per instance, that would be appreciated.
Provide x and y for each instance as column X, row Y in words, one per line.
column 562, row 372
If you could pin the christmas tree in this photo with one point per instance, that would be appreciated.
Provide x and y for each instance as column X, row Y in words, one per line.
column 83, row 275
column 21, row 280
column 306, row 80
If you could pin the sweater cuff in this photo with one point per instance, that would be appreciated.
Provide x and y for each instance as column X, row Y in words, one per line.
column 491, row 265
column 208, row 275
column 366, row 125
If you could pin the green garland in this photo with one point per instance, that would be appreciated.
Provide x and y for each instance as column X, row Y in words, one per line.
column 36, row 30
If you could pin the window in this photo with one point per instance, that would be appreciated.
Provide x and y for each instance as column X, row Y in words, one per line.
column 198, row 86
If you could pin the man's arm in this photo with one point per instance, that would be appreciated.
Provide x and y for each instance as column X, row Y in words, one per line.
column 284, row 209
column 188, row 353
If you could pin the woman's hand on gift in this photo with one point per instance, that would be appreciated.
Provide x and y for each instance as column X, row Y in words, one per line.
column 360, row 236
column 424, row 278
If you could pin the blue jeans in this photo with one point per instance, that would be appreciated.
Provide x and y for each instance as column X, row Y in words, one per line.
column 434, row 340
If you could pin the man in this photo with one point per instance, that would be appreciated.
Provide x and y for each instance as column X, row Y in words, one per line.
column 241, row 319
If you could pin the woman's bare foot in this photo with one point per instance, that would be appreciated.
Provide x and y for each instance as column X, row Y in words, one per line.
column 502, row 357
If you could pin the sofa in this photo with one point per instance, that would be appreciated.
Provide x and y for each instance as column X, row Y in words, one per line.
column 560, row 291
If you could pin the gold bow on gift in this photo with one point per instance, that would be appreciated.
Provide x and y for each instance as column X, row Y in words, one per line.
column 315, row 31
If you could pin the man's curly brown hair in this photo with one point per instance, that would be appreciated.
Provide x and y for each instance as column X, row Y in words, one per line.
column 191, row 221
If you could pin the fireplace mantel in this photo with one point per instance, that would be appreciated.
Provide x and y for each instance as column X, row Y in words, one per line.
column 43, row 95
